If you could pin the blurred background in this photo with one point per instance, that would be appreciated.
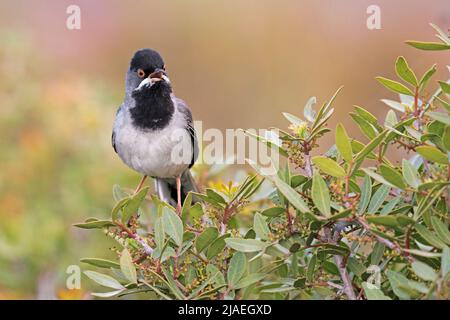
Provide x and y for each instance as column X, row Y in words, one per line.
column 238, row 64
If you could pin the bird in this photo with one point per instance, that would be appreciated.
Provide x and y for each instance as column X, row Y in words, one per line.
column 153, row 130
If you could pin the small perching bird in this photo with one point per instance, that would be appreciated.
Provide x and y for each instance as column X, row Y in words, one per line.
column 153, row 131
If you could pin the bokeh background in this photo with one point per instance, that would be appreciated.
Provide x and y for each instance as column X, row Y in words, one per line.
column 239, row 64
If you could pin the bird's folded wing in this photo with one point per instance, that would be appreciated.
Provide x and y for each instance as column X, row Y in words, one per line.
column 186, row 111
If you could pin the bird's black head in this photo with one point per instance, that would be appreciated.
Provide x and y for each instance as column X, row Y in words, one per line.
column 149, row 88
column 147, row 72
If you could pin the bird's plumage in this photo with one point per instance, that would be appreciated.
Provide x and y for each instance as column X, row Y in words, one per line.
column 153, row 131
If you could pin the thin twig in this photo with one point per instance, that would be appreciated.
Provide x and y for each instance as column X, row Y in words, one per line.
column 391, row 245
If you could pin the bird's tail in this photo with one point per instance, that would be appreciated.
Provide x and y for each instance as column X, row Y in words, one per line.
column 167, row 188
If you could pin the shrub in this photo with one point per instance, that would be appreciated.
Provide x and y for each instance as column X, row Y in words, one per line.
column 348, row 224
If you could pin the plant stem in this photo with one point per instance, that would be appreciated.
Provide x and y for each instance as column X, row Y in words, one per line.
column 348, row 287
column 391, row 245
column 147, row 249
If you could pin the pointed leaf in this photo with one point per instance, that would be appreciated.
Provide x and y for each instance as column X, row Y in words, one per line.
column 321, row 195
column 428, row 45
column 173, row 225
column 432, row 154
column 127, row 266
column 423, row 271
column 392, row 176
column 291, row 195
column 104, row 280
column 236, row 269
column 410, row 174
column 260, row 226
column 206, row 238
column 394, row 86
column 378, row 198
column 405, row 72
column 441, row 230
column 101, row 263
column 373, row 293
column 245, row 245
column 133, row 204
column 366, row 193
column 343, row 143
column 328, row 166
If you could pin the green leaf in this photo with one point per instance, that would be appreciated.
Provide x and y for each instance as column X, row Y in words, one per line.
column 214, row 196
column 133, row 204
column 355, row 266
column 260, row 226
column 267, row 142
column 172, row 284
column 104, row 280
column 328, row 166
column 378, row 198
column 432, row 154
column 428, row 45
column 445, row 87
column 405, row 72
column 391, row 119
column 410, row 174
column 368, row 148
column 398, row 281
column 321, row 195
column 291, row 195
column 446, row 138
column 378, row 177
column 236, row 269
column 215, row 274
column 367, row 116
column 173, row 226
column 429, row 236
column 373, row 293
column 423, row 271
column 206, row 238
column 441, row 230
column 426, row 77
column 394, row 86
column 367, row 128
column 389, row 221
column 101, row 263
column 343, row 143
column 216, row 247
column 107, row 294
column 377, row 253
column 392, row 176
column 159, row 232
column 311, row 268
column 421, row 253
column 245, row 245
column 249, row 280
column 366, row 193
column 97, row 224
column 445, row 262
column 127, row 266
column 439, row 116
column 390, row 205
column 273, row 212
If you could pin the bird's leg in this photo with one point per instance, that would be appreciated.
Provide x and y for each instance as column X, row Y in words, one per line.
column 179, row 195
column 141, row 183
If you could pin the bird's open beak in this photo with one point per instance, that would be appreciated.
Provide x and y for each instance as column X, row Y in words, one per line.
column 158, row 75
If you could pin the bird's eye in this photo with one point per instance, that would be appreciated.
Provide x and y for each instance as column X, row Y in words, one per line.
column 141, row 73
column 164, row 67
